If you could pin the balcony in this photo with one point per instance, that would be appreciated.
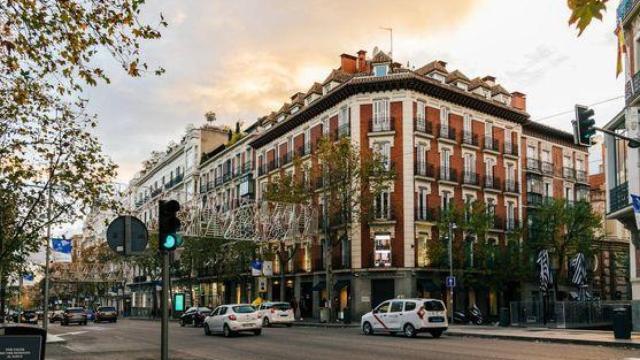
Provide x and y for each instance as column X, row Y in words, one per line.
column 447, row 133
column 547, row 168
column 423, row 169
column 382, row 214
column 381, row 125
column 498, row 223
column 625, row 8
column 534, row 199
column 211, row 185
column 511, row 186
column 262, row 169
column 492, row 183
column 203, row 187
column 469, row 138
column 390, row 166
column 510, row 224
column 156, row 192
column 303, row 150
column 226, row 176
column 510, row 149
column 447, row 174
column 568, row 173
column 247, row 167
column 273, row 164
column 286, row 158
column 491, row 144
column 619, row 197
column 533, row 164
column 631, row 89
column 421, row 125
column 425, row 214
column 470, row 178
column 219, row 180
column 581, row 176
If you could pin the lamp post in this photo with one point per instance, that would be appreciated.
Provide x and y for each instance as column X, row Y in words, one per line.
column 452, row 226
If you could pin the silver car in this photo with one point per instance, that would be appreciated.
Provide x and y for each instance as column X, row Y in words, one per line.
column 74, row 315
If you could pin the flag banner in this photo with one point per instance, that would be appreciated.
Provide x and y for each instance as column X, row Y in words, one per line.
column 256, row 267
column 267, row 268
column 61, row 250
column 635, row 202
column 28, row 279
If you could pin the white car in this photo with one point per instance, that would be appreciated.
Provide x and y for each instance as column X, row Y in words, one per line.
column 409, row 316
column 276, row 313
column 229, row 320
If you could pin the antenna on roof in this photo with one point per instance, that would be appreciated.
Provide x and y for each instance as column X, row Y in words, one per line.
column 390, row 30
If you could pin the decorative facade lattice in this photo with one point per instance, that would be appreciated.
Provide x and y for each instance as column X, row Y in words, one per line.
column 249, row 220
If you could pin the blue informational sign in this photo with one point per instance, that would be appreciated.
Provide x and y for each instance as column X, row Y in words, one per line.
column 61, row 250
column 635, row 202
column 28, row 277
column 256, row 267
column 451, row 281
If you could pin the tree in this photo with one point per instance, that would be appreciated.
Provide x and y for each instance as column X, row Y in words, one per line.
column 583, row 11
column 563, row 229
column 51, row 166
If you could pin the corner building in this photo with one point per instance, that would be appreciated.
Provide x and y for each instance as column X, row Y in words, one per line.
column 449, row 139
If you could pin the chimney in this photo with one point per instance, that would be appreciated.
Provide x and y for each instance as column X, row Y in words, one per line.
column 362, row 61
column 348, row 63
column 490, row 80
column 519, row 100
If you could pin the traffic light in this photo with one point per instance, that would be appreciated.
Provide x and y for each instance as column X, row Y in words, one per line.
column 583, row 125
column 168, row 225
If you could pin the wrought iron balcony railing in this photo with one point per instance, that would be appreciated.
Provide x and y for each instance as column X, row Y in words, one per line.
column 381, row 124
column 469, row 138
column 422, row 168
column 423, row 126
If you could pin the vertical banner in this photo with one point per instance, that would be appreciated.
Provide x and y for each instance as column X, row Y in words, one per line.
column 256, row 267
column 27, row 279
column 267, row 268
column 61, row 250
column 635, row 202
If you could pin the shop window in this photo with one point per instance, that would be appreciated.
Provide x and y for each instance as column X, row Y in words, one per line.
column 382, row 245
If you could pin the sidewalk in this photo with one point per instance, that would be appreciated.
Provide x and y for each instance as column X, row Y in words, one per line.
column 583, row 337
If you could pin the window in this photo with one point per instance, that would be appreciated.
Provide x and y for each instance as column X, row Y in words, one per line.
column 546, row 155
column 446, row 159
column 384, row 150
column 444, row 120
column 326, row 88
column 580, row 164
column 438, row 77
column 489, row 169
column 467, row 130
column 469, row 166
column 511, row 170
column 383, row 308
column 508, row 145
column 409, row 306
column 344, row 247
column 567, row 161
column 491, row 206
column 510, row 215
column 382, row 206
column 190, row 158
column 382, row 256
column 396, row 306
column 462, row 86
column 421, row 116
column 380, row 70
column 531, row 152
column 343, row 116
column 488, row 133
column 420, row 159
column 548, row 192
column 422, row 204
column 381, row 121
column 447, row 198
column 568, row 194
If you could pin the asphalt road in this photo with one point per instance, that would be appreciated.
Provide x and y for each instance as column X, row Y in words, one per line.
column 131, row 339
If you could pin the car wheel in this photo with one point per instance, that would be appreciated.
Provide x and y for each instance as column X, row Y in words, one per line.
column 226, row 331
column 367, row 329
column 265, row 322
column 182, row 322
column 257, row 332
column 207, row 331
column 409, row 330
column 436, row 333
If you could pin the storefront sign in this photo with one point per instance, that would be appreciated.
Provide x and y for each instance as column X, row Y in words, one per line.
column 365, row 299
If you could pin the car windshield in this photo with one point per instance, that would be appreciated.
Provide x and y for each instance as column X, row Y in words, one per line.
column 107, row 308
column 433, row 305
column 75, row 311
column 243, row 309
column 204, row 309
column 281, row 306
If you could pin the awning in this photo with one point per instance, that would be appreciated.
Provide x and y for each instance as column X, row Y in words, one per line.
column 428, row 285
column 340, row 284
column 319, row 286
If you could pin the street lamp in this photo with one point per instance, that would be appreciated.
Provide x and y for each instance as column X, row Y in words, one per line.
column 452, row 226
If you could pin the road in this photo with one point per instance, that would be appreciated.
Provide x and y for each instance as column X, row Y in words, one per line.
column 131, row 339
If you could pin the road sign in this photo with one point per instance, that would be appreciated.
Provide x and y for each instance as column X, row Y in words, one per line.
column 262, row 284
column 267, row 268
column 127, row 235
column 451, row 281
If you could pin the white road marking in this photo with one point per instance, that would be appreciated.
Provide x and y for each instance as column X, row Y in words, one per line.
column 71, row 333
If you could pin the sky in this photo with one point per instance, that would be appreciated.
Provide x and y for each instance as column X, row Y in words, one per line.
column 243, row 59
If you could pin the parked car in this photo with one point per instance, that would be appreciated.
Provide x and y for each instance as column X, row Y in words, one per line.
column 56, row 316
column 26, row 317
column 194, row 316
column 232, row 319
column 409, row 316
column 74, row 315
column 276, row 313
column 106, row 313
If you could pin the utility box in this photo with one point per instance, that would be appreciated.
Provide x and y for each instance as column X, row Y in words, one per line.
column 621, row 323
column 504, row 316
column 22, row 342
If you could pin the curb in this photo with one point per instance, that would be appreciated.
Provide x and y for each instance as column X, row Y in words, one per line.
column 326, row 325
column 620, row 343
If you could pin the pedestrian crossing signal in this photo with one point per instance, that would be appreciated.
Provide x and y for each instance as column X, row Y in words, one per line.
column 168, row 225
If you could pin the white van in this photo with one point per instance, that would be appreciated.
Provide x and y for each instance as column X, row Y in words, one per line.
column 409, row 316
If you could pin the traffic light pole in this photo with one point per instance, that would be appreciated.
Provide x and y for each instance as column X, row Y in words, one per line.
column 165, row 307
column 632, row 142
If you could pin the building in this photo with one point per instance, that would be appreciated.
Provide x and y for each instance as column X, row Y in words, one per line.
column 622, row 173
column 450, row 139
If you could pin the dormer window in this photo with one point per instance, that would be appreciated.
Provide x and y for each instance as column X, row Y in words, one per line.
column 326, row 88
column 295, row 109
column 437, row 77
column 462, row 86
column 380, row 70
column 281, row 118
column 487, row 93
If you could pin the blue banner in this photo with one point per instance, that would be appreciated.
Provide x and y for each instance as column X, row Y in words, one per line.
column 61, row 250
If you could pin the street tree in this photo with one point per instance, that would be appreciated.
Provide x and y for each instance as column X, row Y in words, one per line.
column 563, row 229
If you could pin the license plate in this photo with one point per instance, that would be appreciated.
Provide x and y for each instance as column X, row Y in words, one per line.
column 284, row 315
column 247, row 325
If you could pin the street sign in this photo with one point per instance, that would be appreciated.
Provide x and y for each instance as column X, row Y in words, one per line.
column 451, row 281
column 262, row 284
column 127, row 235
column 267, row 268
column 256, row 267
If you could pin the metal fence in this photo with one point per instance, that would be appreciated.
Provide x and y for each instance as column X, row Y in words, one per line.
column 566, row 314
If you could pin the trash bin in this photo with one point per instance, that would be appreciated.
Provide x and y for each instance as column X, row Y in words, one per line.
column 621, row 323
column 324, row 314
column 346, row 315
column 504, row 316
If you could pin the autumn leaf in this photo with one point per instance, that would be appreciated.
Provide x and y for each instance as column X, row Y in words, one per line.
column 583, row 11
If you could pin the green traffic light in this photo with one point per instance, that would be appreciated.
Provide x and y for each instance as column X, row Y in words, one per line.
column 170, row 241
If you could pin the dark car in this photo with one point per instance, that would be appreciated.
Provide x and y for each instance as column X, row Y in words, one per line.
column 106, row 313
column 194, row 316
column 74, row 315
column 56, row 316
column 26, row 317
